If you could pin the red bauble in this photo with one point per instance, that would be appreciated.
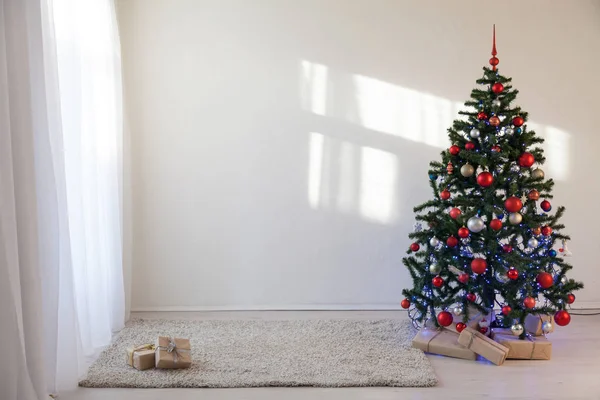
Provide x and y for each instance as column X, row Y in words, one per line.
column 529, row 302
column 526, row 160
column 452, row 241
column 478, row 265
column 463, row 232
column 496, row 148
column 454, row 150
column 545, row 280
column 570, row 298
column 469, row 146
column 444, row 318
column 415, row 247
column 546, row 230
column 483, row 330
column 512, row 274
column 507, row 248
column 506, row 310
column 496, row 224
column 405, row 303
column 463, row 278
column 494, row 61
column 513, row 204
column 455, row 213
column 485, row 179
column 533, row 194
column 562, row 318
column 494, row 121
column 536, row 231
column 518, row 121
column 437, row 281
column 482, row 116
column 445, row 194
column 460, row 327
column 546, row 206
column 497, row 87
column 471, row 297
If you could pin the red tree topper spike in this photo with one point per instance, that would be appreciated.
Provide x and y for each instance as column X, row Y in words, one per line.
column 494, row 60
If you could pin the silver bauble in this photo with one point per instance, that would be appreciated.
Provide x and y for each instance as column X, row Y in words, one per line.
column 475, row 224
column 537, row 173
column 516, row 329
column 546, row 326
column 533, row 243
column 435, row 268
column 474, row 133
column 496, row 103
column 564, row 279
column 515, row 218
column 434, row 241
column 501, row 277
column 509, row 131
column 458, row 310
column 467, row 170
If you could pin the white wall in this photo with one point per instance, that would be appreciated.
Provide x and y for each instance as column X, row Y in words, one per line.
column 278, row 147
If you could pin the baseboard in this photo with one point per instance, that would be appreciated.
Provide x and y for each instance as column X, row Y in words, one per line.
column 591, row 305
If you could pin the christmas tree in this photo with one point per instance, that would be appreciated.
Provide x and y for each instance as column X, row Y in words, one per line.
column 488, row 242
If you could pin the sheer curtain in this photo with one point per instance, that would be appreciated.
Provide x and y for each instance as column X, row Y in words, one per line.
column 61, row 271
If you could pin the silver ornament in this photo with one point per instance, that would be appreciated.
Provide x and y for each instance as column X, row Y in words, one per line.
column 467, row 170
column 435, row 268
column 458, row 310
column 533, row 243
column 501, row 277
column 515, row 218
column 475, row 224
column 546, row 326
column 509, row 131
column 564, row 279
column 537, row 173
column 434, row 241
column 516, row 329
column 496, row 103
column 474, row 133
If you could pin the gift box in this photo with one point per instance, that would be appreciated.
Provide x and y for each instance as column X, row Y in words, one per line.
column 531, row 348
column 173, row 353
column 141, row 357
column 533, row 323
column 443, row 342
column 483, row 345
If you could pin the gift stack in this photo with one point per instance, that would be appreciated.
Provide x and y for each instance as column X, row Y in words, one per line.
column 167, row 353
column 467, row 340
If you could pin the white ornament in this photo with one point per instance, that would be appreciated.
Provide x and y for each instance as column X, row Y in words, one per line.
column 564, row 279
column 501, row 277
column 475, row 224
column 474, row 133
column 458, row 310
column 509, row 131
column 533, row 243
column 484, row 323
column 546, row 326
column 467, row 170
column 496, row 103
column 434, row 241
column 435, row 268
column 515, row 218
column 417, row 227
column 516, row 329
column 566, row 251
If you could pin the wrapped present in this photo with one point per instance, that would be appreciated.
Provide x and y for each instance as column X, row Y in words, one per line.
column 173, row 353
column 443, row 342
column 533, row 323
column 530, row 348
column 141, row 357
column 483, row 345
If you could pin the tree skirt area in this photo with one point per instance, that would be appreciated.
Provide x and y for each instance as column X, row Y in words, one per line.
column 254, row 353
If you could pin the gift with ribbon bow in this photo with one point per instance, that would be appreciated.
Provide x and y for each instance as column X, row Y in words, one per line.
column 141, row 357
column 173, row 353
column 534, row 324
column 443, row 342
column 530, row 348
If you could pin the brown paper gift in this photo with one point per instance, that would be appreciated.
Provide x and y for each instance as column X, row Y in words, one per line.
column 442, row 342
column 533, row 323
column 173, row 353
column 483, row 345
column 141, row 357
column 531, row 348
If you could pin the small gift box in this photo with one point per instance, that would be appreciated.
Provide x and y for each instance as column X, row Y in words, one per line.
column 530, row 348
column 443, row 342
column 141, row 357
column 483, row 345
column 533, row 323
column 173, row 353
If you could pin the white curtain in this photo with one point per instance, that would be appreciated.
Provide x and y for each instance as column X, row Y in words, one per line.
column 61, row 273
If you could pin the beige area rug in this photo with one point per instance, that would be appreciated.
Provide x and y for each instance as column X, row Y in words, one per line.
column 233, row 354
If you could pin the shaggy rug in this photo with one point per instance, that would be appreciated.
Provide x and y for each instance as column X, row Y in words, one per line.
column 242, row 353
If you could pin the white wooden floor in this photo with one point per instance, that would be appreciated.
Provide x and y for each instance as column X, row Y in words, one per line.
column 573, row 372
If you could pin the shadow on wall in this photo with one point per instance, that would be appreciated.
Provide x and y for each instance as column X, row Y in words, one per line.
column 364, row 180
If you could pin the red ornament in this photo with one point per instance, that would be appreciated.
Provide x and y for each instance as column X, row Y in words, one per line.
column 533, row 195
column 529, row 302
column 526, row 160
column 512, row 274
column 496, row 224
column 482, row 116
column 478, row 265
column 497, row 87
column 445, row 195
column 444, row 318
column 506, row 310
column 485, row 179
column 562, row 318
column 415, row 247
column 483, row 330
column 455, row 213
column 518, row 121
column 437, row 281
column 496, row 148
column 493, row 62
column 494, row 121
column 450, row 168
column 460, row 327
column 469, row 145
column 463, row 278
column 536, row 231
column 545, row 280
column 570, row 298
column 546, row 230
column 546, row 206
column 507, row 248
column 513, row 204
column 463, row 232
column 452, row 241
column 471, row 297
column 454, row 150
column 405, row 303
